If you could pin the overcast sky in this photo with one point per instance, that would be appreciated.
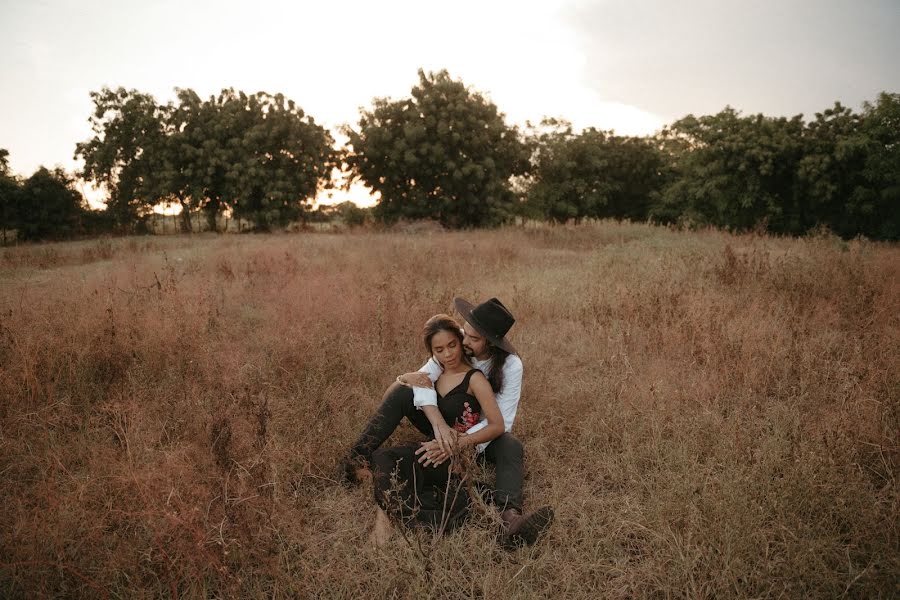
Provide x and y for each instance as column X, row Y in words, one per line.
column 625, row 65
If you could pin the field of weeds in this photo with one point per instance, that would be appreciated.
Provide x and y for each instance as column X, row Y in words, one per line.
column 711, row 416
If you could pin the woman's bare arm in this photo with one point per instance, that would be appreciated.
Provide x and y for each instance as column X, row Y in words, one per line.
column 481, row 389
column 444, row 435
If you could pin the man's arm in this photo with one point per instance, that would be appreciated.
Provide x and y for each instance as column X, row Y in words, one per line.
column 427, row 396
column 509, row 395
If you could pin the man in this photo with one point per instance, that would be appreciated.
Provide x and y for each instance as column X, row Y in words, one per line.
column 485, row 328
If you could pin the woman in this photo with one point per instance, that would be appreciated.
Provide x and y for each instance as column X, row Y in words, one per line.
column 417, row 495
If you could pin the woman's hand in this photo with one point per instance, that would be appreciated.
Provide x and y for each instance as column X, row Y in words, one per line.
column 430, row 454
column 445, row 436
column 416, row 379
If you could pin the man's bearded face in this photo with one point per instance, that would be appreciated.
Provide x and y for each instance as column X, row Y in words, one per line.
column 474, row 343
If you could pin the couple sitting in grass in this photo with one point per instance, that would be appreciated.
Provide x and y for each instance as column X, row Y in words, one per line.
column 464, row 400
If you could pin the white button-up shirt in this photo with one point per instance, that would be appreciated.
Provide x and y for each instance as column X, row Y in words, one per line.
column 507, row 397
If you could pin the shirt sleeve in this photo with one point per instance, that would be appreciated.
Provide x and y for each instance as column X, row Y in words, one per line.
column 507, row 397
column 427, row 396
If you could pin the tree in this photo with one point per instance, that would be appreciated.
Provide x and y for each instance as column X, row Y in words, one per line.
column 280, row 161
column 567, row 179
column 444, row 153
column 594, row 174
column 49, row 206
column 736, row 172
column 831, row 171
column 879, row 211
column 212, row 132
column 125, row 152
column 351, row 214
column 346, row 213
column 258, row 155
column 176, row 175
column 9, row 198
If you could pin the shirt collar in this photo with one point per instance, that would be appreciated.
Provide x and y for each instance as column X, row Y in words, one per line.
column 483, row 365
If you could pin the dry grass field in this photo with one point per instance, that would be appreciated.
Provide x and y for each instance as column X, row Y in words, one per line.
column 712, row 416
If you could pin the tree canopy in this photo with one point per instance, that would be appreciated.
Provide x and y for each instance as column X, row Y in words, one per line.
column 736, row 171
column 123, row 155
column 43, row 206
column 841, row 170
column 444, row 153
column 593, row 174
column 49, row 205
column 258, row 155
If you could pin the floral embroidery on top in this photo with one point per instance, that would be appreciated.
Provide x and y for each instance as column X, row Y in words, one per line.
column 468, row 419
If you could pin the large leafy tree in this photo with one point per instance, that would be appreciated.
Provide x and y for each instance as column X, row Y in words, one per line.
column 568, row 180
column 213, row 132
column 879, row 212
column 204, row 142
column 257, row 155
column 280, row 162
column 144, row 153
column 830, row 174
column 125, row 153
column 176, row 175
column 444, row 153
column 594, row 174
column 736, row 172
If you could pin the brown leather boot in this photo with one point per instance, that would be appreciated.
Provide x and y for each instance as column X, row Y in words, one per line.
column 524, row 530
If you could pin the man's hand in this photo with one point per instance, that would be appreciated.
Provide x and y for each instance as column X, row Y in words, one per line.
column 430, row 454
column 416, row 379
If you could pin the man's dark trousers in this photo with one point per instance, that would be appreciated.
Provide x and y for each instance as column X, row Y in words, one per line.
column 505, row 452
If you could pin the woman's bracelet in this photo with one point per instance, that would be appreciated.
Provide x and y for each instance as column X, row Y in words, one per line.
column 401, row 382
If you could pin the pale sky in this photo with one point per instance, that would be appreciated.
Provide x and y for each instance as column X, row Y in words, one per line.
column 631, row 66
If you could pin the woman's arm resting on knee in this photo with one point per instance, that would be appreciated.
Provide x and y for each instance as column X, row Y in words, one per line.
column 444, row 435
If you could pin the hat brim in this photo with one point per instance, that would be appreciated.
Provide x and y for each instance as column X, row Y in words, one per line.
column 465, row 309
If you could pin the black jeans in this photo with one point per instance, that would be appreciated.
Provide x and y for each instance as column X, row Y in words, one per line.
column 505, row 452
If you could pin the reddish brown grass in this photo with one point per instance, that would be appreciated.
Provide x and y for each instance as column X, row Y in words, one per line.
column 710, row 415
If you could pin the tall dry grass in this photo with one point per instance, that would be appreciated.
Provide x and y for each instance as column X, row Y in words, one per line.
column 711, row 416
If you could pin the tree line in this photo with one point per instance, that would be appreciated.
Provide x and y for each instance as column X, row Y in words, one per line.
column 46, row 205
column 446, row 153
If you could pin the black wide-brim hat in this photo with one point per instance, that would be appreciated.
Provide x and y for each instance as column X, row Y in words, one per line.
column 491, row 319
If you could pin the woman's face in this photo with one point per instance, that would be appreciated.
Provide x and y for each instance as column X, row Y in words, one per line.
column 447, row 349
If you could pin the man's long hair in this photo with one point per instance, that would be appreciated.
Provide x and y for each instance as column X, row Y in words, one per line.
column 499, row 356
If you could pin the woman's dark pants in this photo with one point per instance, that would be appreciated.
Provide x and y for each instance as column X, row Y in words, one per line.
column 505, row 452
